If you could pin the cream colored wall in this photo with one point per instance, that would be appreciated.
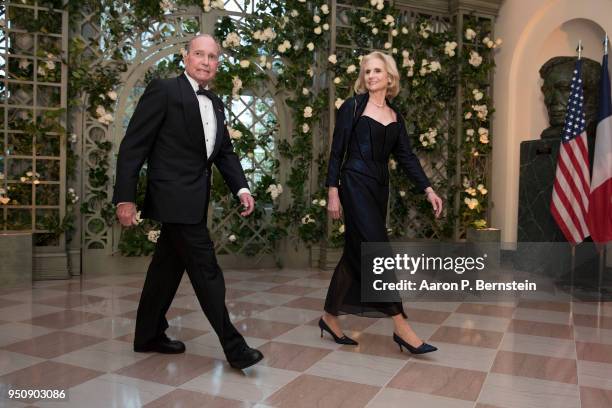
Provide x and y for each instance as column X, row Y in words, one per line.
column 533, row 31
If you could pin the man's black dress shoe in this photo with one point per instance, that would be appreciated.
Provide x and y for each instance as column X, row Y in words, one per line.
column 245, row 358
column 162, row 345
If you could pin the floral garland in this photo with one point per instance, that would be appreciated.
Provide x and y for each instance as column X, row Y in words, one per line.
column 286, row 44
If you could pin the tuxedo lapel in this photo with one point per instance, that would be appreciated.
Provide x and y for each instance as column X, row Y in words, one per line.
column 191, row 112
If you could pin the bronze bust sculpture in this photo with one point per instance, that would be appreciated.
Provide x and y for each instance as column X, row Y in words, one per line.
column 557, row 74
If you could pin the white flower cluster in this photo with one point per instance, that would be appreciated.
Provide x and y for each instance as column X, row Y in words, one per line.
column 305, row 128
column 472, row 203
column 449, row 48
column 475, row 58
column 389, row 20
column 112, row 95
column 167, row 6
column 477, row 93
column 332, row 58
column 483, row 134
column 4, row 199
column 104, row 117
column 310, row 46
column 470, row 135
column 351, row 69
column 338, row 103
column 307, row 112
column 428, row 138
column 214, row 4
column 325, row 9
column 407, row 62
column 139, row 220
column 263, row 61
column 429, row 67
column 424, row 30
column 49, row 65
column 234, row 133
column 392, row 164
column 307, row 219
column 153, row 235
column 245, row 63
column 264, row 35
column 492, row 44
column 379, row 4
column 341, row 229
column 275, row 190
column 470, row 34
column 30, row 177
column 284, row 46
column 237, row 86
column 480, row 188
column 72, row 197
column 232, row 40
column 232, row 238
column 481, row 112
column 321, row 203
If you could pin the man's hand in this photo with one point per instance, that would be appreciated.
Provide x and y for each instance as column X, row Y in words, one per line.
column 334, row 208
column 126, row 213
column 436, row 202
column 248, row 202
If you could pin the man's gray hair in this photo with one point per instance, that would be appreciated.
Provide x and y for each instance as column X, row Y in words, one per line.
column 188, row 46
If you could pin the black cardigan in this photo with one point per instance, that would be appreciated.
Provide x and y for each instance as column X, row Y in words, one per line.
column 346, row 119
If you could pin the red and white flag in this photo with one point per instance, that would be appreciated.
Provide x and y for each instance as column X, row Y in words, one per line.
column 570, row 198
column 600, row 201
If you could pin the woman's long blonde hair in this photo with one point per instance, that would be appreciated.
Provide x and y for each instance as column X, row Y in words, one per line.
column 392, row 72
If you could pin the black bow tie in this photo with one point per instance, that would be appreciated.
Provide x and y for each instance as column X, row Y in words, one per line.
column 205, row 92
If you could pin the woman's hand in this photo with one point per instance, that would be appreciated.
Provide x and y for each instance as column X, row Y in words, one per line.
column 436, row 202
column 333, row 203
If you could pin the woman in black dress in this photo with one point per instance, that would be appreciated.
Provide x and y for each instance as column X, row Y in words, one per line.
column 368, row 130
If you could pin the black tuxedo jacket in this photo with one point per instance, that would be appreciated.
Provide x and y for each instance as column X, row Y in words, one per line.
column 166, row 131
column 346, row 119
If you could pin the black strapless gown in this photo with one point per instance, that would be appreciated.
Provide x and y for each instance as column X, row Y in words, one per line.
column 364, row 194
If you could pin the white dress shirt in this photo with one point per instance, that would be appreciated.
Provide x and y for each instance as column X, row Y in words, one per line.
column 209, row 122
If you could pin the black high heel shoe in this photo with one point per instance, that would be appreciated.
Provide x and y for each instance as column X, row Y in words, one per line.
column 339, row 340
column 422, row 349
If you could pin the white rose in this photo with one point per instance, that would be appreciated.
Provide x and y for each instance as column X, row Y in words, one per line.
column 307, row 112
column 112, row 95
column 316, row 19
column 337, row 80
column 350, row 69
column 305, row 128
column 374, row 30
column 305, row 91
column 475, row 59
column 310, row 46
column 341, row 229
column 387, row 45
column 392, row 164
column 394, row 32
column 332, row 58
column 315, row 202
column 245, row 63
column 404, row 30
column 232, row 238
column 338, row 103
column 482, row 189
column 470, row 34
column 468, row 115
column 325, row 9
column 326, row 26
column 294, row 13
column 318, row 30
column 402, row 193
column 322, row 202
column 469, row 132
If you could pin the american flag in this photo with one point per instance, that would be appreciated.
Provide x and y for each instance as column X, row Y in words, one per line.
column 570, row 198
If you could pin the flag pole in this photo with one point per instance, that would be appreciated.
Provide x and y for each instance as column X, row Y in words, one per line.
column 606, row 44
column 579, row 49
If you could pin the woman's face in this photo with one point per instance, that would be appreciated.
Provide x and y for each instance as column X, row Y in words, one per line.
column 375, row 75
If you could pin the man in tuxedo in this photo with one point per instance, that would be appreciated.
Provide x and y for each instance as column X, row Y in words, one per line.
column 179, row 128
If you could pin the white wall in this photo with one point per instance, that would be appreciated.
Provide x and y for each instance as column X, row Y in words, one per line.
column 533, row 31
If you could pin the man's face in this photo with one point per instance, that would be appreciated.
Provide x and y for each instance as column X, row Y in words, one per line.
column 202, row 60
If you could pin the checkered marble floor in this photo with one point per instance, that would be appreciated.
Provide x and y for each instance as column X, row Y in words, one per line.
column 76, row 335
